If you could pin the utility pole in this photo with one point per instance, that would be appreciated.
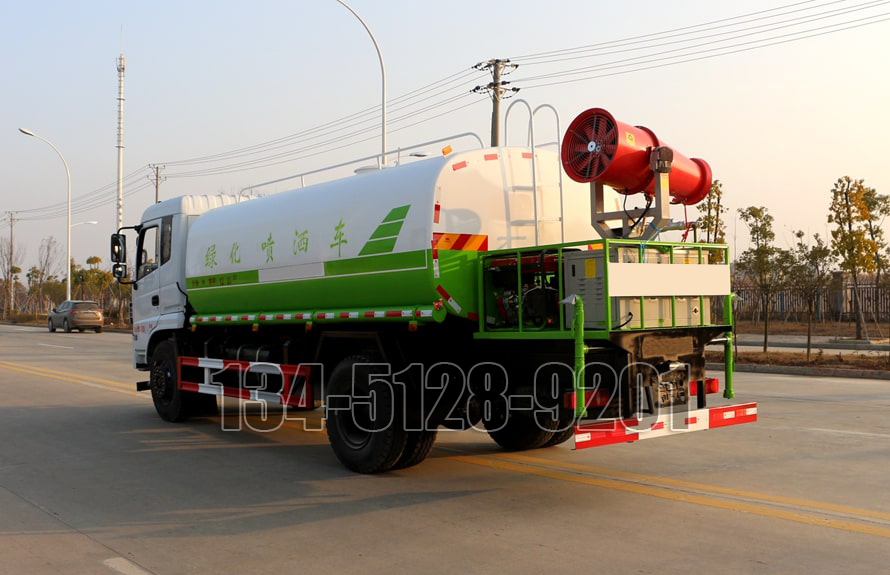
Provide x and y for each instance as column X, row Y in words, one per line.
column 121, row 66
column 496, row 89
column 156, row 179
column 10, row 276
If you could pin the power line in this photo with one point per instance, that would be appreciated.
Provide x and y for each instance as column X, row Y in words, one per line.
column 345, row 122
column 721, row 51
column 671, row 32
column 725, row 37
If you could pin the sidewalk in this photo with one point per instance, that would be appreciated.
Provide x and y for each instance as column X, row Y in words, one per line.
column 824, row 342
column 790, row 343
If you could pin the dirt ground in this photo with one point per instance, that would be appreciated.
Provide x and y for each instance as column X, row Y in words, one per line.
column 817, row 359
column 836, row 329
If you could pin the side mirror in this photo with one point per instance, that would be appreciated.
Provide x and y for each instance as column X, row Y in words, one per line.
column 54, row 310
column 119, row 250
column 119, row 271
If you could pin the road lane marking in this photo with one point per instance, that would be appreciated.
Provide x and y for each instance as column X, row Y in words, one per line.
column 759, row 505
column 56, row 346
column 844, row 432
column 679, row 483
column 88, row 381
column 125, row 566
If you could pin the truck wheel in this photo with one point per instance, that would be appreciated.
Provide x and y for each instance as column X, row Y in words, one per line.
column 518, row 431
column 66, row 326
column 169, row 400
column 417, row 446
column 366, row 438
column 52, row 328
column 560, row 437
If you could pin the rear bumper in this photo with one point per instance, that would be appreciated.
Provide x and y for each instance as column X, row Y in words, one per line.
column 672, row 423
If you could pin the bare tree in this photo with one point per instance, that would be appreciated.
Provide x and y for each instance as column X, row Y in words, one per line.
column 10, row 266
column 49, row 261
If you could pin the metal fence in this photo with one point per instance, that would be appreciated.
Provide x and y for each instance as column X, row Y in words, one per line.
column 834, row 303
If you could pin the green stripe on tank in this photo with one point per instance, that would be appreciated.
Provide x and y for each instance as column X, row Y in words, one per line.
column 387, row 230
column 399, row 213
column 383, row 246
column 226, row 279
column 381, row 263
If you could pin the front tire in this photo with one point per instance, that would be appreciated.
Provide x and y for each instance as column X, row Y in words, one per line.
column 169, row 400
column 363, row 418
column 66, row 326
column 52, row 328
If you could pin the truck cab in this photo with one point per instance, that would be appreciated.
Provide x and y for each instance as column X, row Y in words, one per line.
column 159, row 299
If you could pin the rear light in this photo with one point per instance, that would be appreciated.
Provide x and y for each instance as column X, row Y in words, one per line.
column 592, row 398
column 711, row 385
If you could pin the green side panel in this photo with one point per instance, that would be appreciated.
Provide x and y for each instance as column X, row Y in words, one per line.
column 374, row 247
column 228, row 279
column 399, row 213
column 458, row 277
column 391, row 289
column 391, row 229
column 379, row 281
column 381, row 263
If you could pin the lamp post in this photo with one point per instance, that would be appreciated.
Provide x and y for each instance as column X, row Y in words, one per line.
column 68, row 223
column 383, row 82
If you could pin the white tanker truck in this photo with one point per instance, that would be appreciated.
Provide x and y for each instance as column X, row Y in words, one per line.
column 478, row 289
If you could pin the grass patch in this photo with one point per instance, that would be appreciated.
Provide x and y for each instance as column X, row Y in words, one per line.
column 817, row 359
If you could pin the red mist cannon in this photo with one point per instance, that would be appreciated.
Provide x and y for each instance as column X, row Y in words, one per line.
column 630, row 159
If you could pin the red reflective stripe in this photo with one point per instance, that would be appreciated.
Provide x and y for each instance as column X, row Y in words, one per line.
column 459, row 165
column 436, row 212
column 461, row 241
column 489, row 157
column 393, row 313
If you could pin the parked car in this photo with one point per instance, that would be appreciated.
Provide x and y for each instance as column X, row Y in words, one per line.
column 75, row 314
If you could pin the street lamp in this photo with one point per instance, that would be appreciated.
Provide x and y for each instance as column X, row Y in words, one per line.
column 383, row 82
column 68, row 224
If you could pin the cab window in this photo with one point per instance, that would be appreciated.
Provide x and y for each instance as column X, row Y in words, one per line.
column 147, row 252
column 166, row 238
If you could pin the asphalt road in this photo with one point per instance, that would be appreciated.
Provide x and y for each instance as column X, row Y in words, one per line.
column 91, row 481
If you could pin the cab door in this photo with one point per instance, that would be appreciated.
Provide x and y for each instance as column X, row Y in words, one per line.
column 146, row 290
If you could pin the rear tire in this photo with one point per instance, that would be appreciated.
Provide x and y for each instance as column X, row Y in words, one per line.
column 364, row 439
column 417, row 446
column 52, row 328
column 66, row 326
column 560, row 437
column 99, row 329
column 519, row 431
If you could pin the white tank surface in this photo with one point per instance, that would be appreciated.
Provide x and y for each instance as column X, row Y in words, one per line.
column 402, row 236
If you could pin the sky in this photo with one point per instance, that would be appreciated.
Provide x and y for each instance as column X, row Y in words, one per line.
column 268, row 89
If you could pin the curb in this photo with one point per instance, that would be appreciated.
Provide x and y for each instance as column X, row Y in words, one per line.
column 854, row 345
column 803, row 370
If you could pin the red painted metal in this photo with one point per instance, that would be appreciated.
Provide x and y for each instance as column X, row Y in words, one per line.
column 598, row 148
